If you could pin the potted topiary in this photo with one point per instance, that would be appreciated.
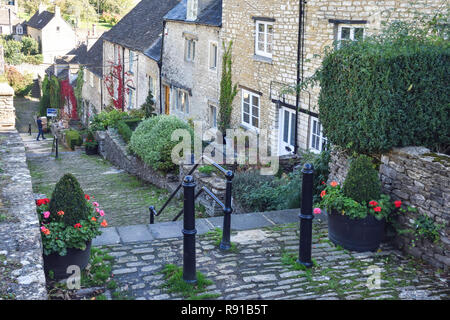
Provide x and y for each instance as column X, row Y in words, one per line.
column 91, row 145
column 357, row 211
column 69, row 221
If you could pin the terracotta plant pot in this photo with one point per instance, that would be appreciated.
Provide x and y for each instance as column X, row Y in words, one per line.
column 355, row 234
column 59, row 264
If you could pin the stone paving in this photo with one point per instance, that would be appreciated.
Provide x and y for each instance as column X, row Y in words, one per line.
column 262, row 268
column 124, row 198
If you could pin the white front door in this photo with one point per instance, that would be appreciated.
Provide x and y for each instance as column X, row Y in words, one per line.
column 286, row 131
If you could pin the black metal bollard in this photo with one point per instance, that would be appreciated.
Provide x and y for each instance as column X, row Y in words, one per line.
column 306, row 216
column 152, row 214
column 29, row 129
column 56, row 147
column 225, row 244
column 189, row 231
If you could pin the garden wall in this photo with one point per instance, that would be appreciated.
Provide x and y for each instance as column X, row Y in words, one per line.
column 420, row 179
column 21, row 264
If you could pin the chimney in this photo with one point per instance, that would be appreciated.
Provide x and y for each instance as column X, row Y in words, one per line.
column 57, row 11
column 195, row 7
column 42, row 8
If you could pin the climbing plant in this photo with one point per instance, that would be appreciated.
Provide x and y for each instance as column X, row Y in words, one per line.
column 227, row 90
column 44, row 103
column 54, row 92
column 68, row 97
column 78, row 91
column 116, row 76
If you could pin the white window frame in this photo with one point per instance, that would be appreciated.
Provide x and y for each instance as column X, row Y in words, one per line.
column 130, row 98
column 19, row 29
column 213, row 115
column 250, row 113
column 352, row 28
column 91, row 79
column 263, row 53
column 212, row 45
column 313, row 136
column 179, row 106
column 130, row 62
column 190, row 45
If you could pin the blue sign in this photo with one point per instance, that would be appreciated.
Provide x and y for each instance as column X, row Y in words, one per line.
column 51, row 112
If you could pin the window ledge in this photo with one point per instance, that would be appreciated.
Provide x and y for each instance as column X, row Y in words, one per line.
column 249, row 128
column 259, row 58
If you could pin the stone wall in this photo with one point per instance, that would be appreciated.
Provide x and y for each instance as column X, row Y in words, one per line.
column 420, row 179
column 7, row 110
column 21, row 264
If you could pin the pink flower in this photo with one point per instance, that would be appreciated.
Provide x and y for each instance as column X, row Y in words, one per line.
column 97, row 210
column 102, row 213
column 46, row 214
column 95, row 204
column 43, row 228
column 317, row 211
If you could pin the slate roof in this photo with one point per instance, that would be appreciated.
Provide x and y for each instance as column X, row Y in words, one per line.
column 40, row 20
column 154, row 51
column 142, row 26
column 77, row 55
column 210, row 16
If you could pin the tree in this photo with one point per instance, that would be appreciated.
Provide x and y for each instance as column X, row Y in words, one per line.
column 149, row 106
column 119, row 7
column 29, row 46
column 78, row 9
column 227, row 90
column 13, row 51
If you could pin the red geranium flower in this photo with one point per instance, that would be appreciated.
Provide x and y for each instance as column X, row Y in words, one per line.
column 377, row 209
column 87, row 197
column 78, row 225
column 373, row 203
column 40, row 202
column 323, row 193
column 398, row 203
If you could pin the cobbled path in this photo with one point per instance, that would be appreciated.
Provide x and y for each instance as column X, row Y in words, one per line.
column 258, row 269
column 124, row 198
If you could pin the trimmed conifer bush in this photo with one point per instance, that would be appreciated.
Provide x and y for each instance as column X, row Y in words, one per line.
column 362, row 183
column 69, row 198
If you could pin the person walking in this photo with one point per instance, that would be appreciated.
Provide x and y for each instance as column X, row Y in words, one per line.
column 41, row 131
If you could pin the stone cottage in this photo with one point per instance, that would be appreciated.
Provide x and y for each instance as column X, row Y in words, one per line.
column 278, row 43
column 54, row 35
column 131, row 56
column 191, row 65
column 10, row 24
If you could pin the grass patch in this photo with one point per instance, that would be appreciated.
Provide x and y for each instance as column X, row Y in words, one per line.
column 290, row 259
column 175, row 284
column 216, row 235
column 98, row 272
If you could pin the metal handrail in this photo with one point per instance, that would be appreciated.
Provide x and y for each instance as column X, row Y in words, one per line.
column 226, row 173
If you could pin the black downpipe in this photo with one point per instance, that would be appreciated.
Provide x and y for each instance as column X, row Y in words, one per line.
column 160, row 68
column 300, row 48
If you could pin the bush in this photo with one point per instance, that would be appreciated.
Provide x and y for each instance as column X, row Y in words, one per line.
column 385, row 92
column 69, row 198
column 362, row 183
column 151, row 141
column 44, row 103
column 124, row 131
column 104, row 119
column 36, row 59
column 132, row 123
column 73, row 138
column 12, row 51
column 29, row 46
column 22, row 84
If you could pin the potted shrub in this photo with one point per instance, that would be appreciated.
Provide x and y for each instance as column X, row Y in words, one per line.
column 91, row 145
column 357, row 211
column 68, row 223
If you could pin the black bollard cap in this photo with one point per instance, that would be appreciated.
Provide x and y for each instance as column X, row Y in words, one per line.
column 188, row 181
column 308, row 168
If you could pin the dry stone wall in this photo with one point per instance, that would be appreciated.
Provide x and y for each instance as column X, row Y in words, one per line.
column 421, row 179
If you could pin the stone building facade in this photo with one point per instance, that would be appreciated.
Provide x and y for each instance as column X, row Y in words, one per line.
column 55, row 36
column 7, row 110
column 268, row 47
column 191, row 65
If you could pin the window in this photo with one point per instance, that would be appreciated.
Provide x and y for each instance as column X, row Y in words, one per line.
column 130, row 98
column 318, row 141
column 213, row 56
column 264, row 38
column 151, row 87
column 213, row 116
column 250, row 109
column 19, row 29
column 116, row 54
column 182, row 101
column 190, row 50
column 349, row 33
column 130, row 62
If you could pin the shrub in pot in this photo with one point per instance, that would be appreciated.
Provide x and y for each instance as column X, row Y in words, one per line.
column 68, row 223
column 357, row 211
column 90, row 145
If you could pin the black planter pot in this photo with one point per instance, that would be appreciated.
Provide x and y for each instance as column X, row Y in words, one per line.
column 355, row 234
column 58, row 264
column 91, row 150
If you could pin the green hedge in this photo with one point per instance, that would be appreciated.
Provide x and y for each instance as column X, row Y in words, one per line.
column 151, row 141
column 132, row 123
column 73, row 138
column 379, row 94
column 124, row 131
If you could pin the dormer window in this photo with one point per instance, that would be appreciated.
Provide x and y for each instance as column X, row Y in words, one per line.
column 19, row 29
